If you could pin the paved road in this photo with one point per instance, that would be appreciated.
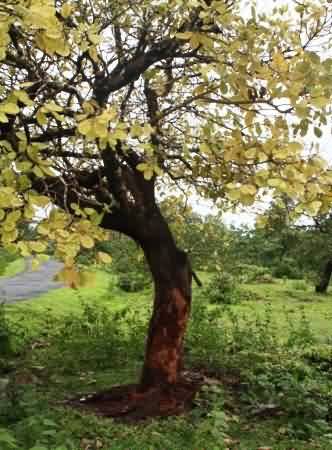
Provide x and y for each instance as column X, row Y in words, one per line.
column 30, row 283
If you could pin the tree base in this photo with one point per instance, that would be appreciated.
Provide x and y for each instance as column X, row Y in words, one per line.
column 131, row 404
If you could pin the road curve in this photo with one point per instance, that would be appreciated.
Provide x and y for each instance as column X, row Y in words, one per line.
column 30, row 283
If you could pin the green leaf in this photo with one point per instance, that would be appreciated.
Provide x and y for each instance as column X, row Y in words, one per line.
column 7, row 438
column 318, row 132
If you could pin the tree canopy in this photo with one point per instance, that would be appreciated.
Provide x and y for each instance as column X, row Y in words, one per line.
column 104, row 102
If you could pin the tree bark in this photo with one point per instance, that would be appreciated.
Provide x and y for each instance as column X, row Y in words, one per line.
column 172, row 276
column 321, row 288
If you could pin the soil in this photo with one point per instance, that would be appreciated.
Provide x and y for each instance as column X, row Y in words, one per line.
column 130, row 404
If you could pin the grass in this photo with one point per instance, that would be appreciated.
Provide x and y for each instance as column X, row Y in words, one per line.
column 272, row 349
column 284, row 299
column 14, row 267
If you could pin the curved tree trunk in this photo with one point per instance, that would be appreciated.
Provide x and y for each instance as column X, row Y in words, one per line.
column 163, row 389
column 325, row 278
column 164, row 347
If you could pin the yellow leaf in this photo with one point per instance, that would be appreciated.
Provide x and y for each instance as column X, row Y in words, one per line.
column 93, row 37
column 248, row 189
column 37, row 246
column 9, row 108
column 86, row 241
column 23, row 97
column 52, row 107
column 41, row 118
column 279, row 62
column 148, row 174
column 104, row 258
column 3, row 117
column 66, row 10
column 142, row 167
column 38, row 172
column 35, row 264
column 69, row 276
column 85, row 126
column 314, row 207
column 320, row 102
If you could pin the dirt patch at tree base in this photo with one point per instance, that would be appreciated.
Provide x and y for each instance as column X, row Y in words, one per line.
column 130, row 404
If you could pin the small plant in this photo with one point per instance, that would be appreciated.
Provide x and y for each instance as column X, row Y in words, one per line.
column 216, row 420
column 223, row 289
column 7, row 440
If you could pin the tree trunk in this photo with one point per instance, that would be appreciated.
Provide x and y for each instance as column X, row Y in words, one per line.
column 325, row 278
column 163, row 389
column 171, row 274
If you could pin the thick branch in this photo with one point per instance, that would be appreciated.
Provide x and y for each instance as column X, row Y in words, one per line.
column 126, row 73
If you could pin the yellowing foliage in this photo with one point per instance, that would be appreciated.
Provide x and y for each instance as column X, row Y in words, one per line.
column 97, row 109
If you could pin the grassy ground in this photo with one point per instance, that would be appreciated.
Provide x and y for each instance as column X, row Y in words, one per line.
column 14, row 267
column 268, row 360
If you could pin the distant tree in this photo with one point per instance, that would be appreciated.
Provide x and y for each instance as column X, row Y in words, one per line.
column 103, row 103
column 305, row 242
column 321, row 245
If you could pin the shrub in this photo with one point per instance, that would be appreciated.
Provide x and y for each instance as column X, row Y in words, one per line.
column 249, row 273
column 288, row 268
column 223, row 288
column 132, row 281
column 97, row 338
column 266, row 278
column 5, row 259
column 286, row 372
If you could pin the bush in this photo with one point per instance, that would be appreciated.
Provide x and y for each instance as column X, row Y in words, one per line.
column 223, row 289
column 132, row 281
column 249, row 273
column 5, row 259
column 286, row 372
column 97, row 338
column 288, row 268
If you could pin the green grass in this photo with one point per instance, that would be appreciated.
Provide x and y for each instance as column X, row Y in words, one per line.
column 69, row 342
column 283, row 299
column 14, row 267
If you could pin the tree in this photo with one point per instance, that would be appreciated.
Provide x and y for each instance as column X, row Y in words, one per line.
column 320, row 234
column 306, row 245
column 103, row 103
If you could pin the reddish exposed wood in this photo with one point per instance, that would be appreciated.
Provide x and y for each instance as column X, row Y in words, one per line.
column 171, row 273
column 130, row 404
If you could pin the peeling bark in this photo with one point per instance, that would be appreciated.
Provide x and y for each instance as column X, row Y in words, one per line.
column 172, row 276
